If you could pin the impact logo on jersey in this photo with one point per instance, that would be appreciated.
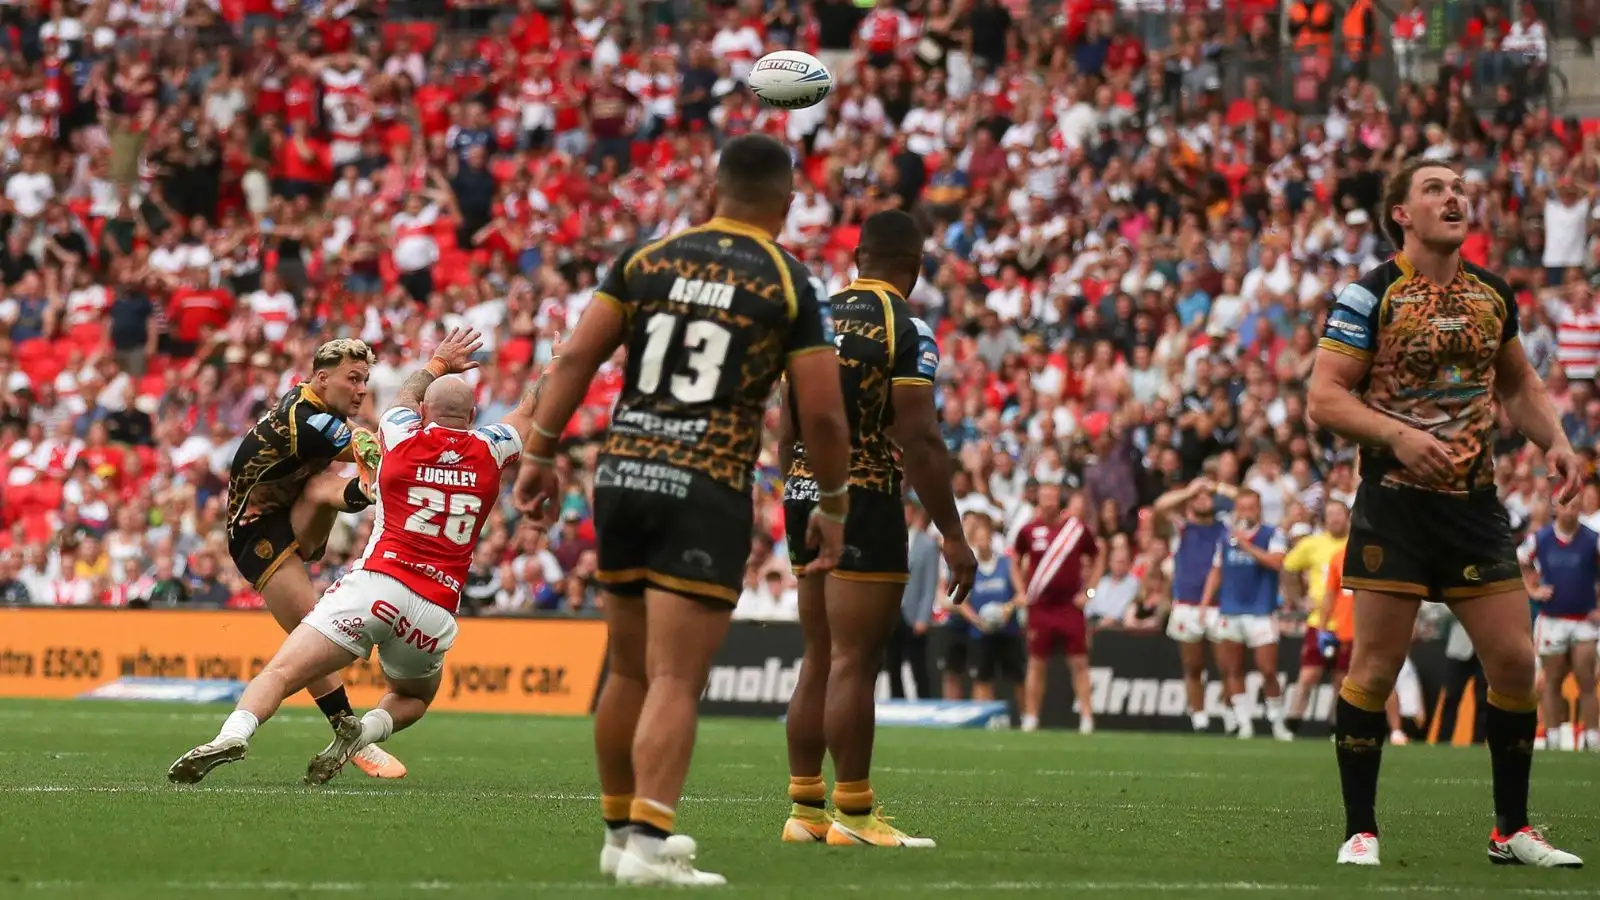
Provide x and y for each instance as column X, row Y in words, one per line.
column 449, row 458
column 335, row 430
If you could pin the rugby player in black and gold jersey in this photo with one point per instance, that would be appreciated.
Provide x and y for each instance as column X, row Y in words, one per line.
column 1416, row 360
column 711, row 317
column 887, row 360
column 283, row 499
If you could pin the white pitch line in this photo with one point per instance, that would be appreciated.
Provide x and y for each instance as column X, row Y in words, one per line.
column 876, row 888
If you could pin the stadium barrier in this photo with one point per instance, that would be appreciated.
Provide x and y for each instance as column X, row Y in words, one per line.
column 1137, row 683
column 549, row 666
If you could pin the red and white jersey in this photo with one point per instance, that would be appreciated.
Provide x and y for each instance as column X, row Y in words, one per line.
column 436, row 486
column 1056, row 556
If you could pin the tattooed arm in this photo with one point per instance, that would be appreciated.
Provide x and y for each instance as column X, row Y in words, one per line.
column 520, row 419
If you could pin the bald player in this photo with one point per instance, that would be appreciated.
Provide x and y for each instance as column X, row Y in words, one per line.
column 438, row 481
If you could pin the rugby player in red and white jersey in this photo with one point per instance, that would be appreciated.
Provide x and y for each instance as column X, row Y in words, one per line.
column 436, row 485
column 1056, row 562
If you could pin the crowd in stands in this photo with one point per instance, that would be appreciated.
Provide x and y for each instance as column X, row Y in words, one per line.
column 1135, row 223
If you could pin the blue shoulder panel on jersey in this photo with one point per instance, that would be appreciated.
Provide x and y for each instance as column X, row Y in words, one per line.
column 401, row 416
column 499, row 432
column 335, row 430
column 824, row 307
column 927, row 350
column 1357, row 298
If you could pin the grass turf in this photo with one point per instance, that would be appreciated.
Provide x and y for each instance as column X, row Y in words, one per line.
column 504, row 807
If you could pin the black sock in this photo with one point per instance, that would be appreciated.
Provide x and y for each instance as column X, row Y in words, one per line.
column 813, row 804
column 355, row 499
column 335, row 704
column 1358, row 742
column 616, row 824
column 1293, row 724
column 645, row 829
column 1510, row 737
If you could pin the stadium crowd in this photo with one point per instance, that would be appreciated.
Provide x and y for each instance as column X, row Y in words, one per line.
column 1134, row 233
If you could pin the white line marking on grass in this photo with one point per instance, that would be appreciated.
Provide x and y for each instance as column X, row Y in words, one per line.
column 876, row 888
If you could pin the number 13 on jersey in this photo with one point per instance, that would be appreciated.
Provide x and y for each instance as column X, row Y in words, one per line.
column 698, row 371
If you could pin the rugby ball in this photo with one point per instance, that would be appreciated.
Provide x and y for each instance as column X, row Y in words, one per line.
column 789, row 79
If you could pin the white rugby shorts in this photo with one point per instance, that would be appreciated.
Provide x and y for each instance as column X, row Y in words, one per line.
column 1553, row 636
column 1251, row 631
column 1189, row 622
column 363, row 610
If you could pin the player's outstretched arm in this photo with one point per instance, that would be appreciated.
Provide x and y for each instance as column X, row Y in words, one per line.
column 452, row 356
column 1518, row 388
column 926, row 461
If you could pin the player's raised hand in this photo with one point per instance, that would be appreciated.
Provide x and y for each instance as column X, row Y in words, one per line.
column 537, row 488
column 963, row 567
column 1423, row 456
column 825, row 533
column 458, row 348
column 1566, row 472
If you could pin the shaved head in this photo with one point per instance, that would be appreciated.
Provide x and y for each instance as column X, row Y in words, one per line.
column 448, row 401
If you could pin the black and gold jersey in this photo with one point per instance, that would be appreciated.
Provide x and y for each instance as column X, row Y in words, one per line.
column 713, row 315
column 880, row 345
column 1432, row 351
column 294, row 441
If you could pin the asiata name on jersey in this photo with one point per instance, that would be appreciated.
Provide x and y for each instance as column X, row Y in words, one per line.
column 633, row 421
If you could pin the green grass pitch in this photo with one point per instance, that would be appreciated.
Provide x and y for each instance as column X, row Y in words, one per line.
column 504, row 807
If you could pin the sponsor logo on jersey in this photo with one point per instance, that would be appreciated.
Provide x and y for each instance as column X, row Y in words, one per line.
column 449, row 458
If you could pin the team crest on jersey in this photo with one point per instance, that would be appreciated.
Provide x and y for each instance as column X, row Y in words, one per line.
column 450, row 458
column 1372, row 557
column 264, row 548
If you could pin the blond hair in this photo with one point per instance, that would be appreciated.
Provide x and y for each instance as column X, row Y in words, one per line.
column 336, row 351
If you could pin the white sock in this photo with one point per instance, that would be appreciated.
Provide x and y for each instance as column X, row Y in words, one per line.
column 239, row 724
column 1241, row 709
column 1274, row 710
column 1029, row 723
column 1200, row 721
column 1591, row 739
column 376, row 726
column 643, row 845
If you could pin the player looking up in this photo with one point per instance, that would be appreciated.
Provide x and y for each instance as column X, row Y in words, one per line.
column 283, row 500
column 711, row 317
column 1054, row 563
column 1244, row 587
column 1562, row 571
column 1192, row 510
column 1413, row 359
column 439, row 479
column 887, row 361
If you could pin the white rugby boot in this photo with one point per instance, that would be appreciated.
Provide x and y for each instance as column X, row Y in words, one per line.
column 611, row 850
column 1359, row 850
column 1527, row 847
column 346, row 741
column 670, row 863
column 195, row 765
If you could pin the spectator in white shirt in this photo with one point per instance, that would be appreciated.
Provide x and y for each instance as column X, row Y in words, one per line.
column 1118, row 588
column 273, row 307
column 30, row 190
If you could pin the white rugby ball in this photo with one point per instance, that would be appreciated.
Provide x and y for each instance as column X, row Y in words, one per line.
column 790, row 79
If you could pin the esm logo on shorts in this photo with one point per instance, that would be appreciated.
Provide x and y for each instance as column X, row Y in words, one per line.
column 404, row 629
